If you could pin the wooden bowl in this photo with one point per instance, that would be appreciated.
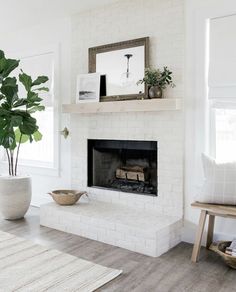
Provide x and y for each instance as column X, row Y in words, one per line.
column 66, row 197
column 219, row 248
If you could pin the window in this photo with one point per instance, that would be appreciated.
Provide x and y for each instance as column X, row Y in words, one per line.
column 222, row 88
column 224, row 131
column 45, row 152
column 41, row 153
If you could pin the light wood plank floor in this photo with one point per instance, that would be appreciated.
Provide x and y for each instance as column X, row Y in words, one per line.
column 170, row 272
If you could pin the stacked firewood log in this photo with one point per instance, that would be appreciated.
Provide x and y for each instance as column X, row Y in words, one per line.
column 135, row 173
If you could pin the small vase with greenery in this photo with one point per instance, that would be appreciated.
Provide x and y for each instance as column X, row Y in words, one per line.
column 17, row 125
column 157, row 80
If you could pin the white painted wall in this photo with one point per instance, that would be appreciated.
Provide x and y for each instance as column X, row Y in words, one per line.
column 196, row 136
column 31, row 13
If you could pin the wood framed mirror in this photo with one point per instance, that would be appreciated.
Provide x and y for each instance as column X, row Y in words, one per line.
column 121, row 66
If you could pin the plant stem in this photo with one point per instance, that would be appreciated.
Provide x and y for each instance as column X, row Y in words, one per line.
column 17, row 154
column 9, row 162
column 12, row 162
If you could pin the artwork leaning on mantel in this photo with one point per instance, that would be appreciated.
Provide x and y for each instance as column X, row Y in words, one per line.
column 121, row 65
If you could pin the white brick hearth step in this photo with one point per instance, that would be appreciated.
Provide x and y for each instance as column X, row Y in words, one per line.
column 141, row 231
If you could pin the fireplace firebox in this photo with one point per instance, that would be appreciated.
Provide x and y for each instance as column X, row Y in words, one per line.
column 123, row 165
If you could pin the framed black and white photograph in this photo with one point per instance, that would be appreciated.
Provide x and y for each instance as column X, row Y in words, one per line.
column 88, row 87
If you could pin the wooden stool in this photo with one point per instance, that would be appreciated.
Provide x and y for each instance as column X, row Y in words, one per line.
column 212, row 211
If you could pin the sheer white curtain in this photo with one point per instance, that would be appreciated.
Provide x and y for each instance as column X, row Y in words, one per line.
column 40, row 154
column 222, row 87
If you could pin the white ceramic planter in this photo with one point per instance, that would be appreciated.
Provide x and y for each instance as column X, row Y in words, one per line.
column 15, row 196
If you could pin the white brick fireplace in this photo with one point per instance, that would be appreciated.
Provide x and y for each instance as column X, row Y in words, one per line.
column 164, row 127
column 121, row 21
column 147, row 224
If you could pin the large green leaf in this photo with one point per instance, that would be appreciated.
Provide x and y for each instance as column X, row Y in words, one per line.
column 3, row 124
column 37, row 108
column 6, row 106
column 33, row 97
column 11, row 141
column 7, row 139
column 40, row 80
column 28, row 126
column 3, row 64
column 26, row 80
column 7, row 66
column 33, row 100
column 4, row 112
column 22, row 113
column 20, row 102
column 11, row 64
column 10, row 82
column 42, row 89
column 37, row 136
column 9, row 89
column 2, row 55
column 16, row 121
column 21, row 138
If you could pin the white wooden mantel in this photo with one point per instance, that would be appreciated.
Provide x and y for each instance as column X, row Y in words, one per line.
column 149, row 105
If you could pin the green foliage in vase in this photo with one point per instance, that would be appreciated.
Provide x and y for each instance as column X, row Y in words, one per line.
column 17, row 124
column 157, row 77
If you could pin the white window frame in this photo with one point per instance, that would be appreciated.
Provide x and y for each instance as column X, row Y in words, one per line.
column 218, row 102
column 212, row 125
column 197, row 121
column 204, row 118
column 28, row 167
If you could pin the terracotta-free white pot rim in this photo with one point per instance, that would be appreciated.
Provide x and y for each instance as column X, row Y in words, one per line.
column 9, row 177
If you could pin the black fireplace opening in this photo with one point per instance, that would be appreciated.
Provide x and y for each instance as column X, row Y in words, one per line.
column 123, row 165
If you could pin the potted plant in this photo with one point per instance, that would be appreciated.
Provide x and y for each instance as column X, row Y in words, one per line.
column 17, row 126
column 157, row 80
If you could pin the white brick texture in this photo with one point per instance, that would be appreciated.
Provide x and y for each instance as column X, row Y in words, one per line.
column 163, row 22
column 140, row 231
column 155, row 224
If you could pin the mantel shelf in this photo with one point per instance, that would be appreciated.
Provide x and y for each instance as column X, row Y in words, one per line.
column 149, row 105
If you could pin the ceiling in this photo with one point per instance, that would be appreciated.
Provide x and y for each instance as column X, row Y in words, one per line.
column 18, row 14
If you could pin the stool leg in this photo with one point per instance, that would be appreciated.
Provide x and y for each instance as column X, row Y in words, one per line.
column 210, row 232
column 198, row 240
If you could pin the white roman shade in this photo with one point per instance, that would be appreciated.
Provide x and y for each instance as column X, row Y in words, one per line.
column 222, row 60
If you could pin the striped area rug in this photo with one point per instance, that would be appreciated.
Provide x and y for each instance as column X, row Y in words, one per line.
column 25, row 266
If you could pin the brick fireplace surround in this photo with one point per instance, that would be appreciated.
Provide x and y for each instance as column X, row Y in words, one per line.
column 145, row 224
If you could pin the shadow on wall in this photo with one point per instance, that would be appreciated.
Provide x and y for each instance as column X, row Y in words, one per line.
column 190, row 229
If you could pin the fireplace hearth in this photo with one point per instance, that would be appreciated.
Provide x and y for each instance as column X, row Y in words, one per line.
column 123, row 165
